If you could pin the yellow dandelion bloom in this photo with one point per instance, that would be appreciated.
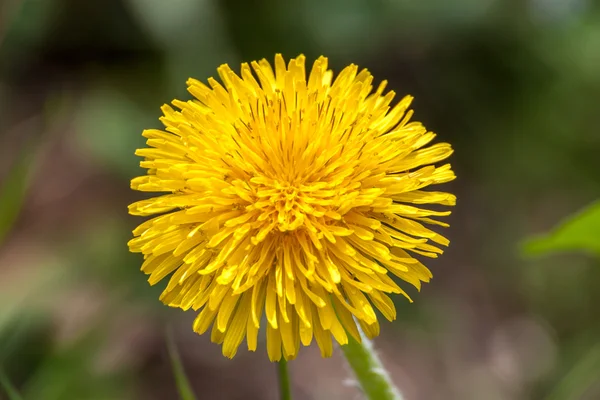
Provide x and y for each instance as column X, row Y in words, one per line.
column 295, row 197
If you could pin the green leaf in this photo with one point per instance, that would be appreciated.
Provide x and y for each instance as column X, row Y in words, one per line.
column 580, row 232
column 183, row 385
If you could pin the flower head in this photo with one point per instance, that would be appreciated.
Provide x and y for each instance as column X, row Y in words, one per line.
column 293, row 197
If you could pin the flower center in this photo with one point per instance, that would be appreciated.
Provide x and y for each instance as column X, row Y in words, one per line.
column 287, row 206
column 283, row 207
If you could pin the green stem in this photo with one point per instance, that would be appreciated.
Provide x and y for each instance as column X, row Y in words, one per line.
column 284, row 380
column 370, row 373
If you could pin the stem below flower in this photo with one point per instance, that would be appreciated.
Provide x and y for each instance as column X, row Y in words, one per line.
column 284, row 380
column 370, row 373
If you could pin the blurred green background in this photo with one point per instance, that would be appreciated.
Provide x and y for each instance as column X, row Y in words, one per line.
column 514, row 85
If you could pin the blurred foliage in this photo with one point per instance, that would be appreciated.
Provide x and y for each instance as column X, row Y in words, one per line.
column 103, row 137
column 581, row 350
column 579, row 378
column 12, row 191
column 513, row 85
column 67, row 373
column 24, row 23
column 8, row 387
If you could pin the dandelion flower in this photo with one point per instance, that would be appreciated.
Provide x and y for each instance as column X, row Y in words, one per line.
column 293, row 197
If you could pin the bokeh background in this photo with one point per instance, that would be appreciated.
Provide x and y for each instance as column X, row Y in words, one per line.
column 514, row 85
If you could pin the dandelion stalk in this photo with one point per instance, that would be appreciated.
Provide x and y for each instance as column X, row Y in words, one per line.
column 370, row 372
column 284, row 380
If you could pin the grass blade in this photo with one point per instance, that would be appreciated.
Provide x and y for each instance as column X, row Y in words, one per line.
column 183, row 385
column 12, row 191
column 8, row 387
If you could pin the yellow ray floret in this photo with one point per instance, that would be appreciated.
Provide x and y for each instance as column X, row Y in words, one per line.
column 289, row 199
